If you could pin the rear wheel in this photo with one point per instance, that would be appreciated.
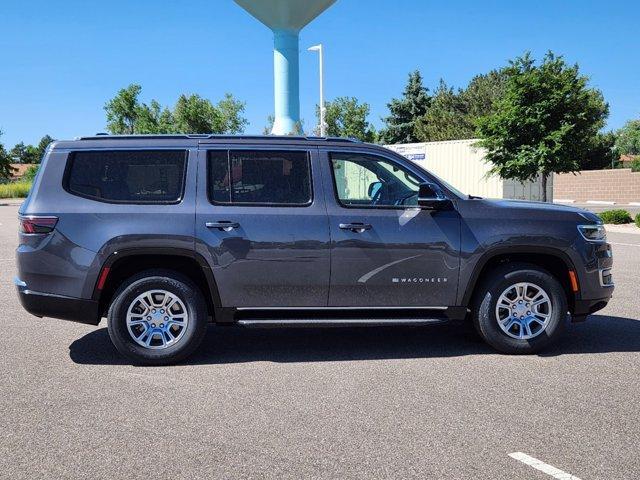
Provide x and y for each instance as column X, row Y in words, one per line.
column 520, row 308
column 157, row 318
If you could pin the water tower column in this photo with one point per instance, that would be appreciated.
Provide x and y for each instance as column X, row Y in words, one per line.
column 286, row 82
column 285, row 18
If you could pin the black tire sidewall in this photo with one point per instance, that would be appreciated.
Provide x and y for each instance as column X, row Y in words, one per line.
column 485, row 317
column 196, row 326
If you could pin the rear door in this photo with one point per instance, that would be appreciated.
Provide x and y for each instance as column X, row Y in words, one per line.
column 386, row 252
column 261, row 223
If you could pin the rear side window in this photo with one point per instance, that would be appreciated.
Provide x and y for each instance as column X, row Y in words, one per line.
column 128, row 176
column 259, row 177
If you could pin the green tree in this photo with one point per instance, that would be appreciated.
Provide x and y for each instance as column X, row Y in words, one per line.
column 628, row 138
column 447, row 117
column 453, row 115
column 544, row 123
column 268, row 128
column 191, row 114
column 345, row 117
column 602, row 153
column 483, row 92
column 153, row 118
column 400, row 125
column 5, row 162
column 194, row 114
column 231, row 111
column 42, row 146
column 123, row 110
column 22, row 153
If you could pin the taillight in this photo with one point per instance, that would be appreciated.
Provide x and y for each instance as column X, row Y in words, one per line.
column 37, row 225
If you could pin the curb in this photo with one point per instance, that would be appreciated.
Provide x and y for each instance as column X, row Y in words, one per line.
column 596, row 202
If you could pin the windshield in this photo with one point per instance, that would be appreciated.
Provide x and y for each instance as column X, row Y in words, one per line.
column 436, row 179
column 449, row 187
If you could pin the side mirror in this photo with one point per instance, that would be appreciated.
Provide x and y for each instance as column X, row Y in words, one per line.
column 430, row 197
column 373, row 188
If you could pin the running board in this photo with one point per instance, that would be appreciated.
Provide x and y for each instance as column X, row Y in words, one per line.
column 338, row 322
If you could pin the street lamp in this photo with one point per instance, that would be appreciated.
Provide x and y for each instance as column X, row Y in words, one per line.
column 318, row 48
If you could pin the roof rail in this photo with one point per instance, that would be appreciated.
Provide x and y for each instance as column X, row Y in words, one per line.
column 103, row 136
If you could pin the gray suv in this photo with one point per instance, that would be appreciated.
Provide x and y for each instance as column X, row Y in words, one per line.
column 164, row 234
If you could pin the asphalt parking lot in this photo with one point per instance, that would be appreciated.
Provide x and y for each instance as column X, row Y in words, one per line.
column 325, row 403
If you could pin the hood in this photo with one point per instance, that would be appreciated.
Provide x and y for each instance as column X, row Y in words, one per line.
column 552, row 208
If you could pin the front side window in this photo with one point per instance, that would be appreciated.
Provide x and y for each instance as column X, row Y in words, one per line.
column 132, row 176
column 259, row 177
column 369, row 181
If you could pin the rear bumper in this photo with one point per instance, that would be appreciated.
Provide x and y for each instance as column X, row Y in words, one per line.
column 57, row 306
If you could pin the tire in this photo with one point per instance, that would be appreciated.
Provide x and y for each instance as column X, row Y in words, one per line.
column 142, row 332
column 526, row 327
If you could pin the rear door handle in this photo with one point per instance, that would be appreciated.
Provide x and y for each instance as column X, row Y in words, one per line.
column 355, row 227
column 223, row 225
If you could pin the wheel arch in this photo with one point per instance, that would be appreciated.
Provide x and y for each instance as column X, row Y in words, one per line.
column 125, row 263
column 555, row 261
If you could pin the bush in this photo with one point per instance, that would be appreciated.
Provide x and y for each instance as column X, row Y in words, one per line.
column 15, row 189
column 616, row 217
column 31, row 172
column 638, row 220
column 635, row 165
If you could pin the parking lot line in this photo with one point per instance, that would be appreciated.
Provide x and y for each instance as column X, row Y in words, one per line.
column 626, row 244
column 543, row 467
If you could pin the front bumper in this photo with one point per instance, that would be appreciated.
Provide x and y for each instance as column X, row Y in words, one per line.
column 582, row 308
column 58, row 306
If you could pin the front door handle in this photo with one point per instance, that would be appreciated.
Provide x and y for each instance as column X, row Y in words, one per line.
column 355, row 227
column 223, row 225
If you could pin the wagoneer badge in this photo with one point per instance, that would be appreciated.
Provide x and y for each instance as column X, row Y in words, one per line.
column 419, row 280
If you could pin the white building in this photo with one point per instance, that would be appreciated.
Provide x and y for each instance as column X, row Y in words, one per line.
column 462, row 165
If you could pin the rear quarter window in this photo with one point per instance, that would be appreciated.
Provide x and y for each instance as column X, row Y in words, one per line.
column 127, row 176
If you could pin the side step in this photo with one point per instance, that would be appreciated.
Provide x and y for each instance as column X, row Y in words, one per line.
column 338, row 322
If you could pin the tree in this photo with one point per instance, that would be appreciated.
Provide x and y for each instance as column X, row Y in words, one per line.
column 400, row 125
column 545, row 122
column 194, row 114
column 22, row 153
column 483, row 92
column 268, row 128
column 5, row 162
column 628, row 138
column 191, row 114
column 123, row 110
column 42, row 146
column 231, row 111
column 453, row 115
column 602, row 153
column 345, row 117
column 447, row 117
column 153, row 118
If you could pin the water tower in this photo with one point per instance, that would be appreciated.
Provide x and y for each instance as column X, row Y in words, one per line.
column 285, row 18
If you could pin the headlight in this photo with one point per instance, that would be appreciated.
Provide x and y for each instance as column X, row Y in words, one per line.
column 593, row 233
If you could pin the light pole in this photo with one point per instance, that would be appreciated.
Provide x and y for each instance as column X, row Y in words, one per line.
column 318, row 48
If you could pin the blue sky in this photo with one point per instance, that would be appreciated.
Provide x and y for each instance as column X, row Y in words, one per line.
column 60, row 61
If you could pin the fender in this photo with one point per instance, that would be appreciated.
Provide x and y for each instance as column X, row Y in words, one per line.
column 130, row 252
column 492, row 253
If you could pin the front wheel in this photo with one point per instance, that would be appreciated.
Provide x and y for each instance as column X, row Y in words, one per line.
column 157, row 318
column 520, row 309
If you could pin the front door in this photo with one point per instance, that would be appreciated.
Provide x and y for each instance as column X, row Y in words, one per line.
column 386, row 251
column 261, row 223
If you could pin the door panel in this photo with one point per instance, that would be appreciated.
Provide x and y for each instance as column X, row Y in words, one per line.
column 385, row 254
column 264, row 256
